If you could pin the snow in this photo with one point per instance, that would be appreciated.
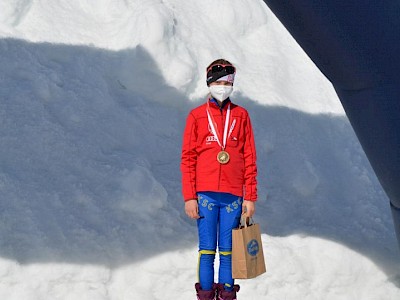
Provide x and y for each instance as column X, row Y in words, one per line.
column 93, row 104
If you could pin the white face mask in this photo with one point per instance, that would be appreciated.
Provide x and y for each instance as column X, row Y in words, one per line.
column 221, row 92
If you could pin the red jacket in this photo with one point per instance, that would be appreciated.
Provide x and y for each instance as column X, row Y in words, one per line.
column 200, row 169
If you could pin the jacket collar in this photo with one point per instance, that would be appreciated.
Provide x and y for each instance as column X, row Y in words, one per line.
column 215, row 104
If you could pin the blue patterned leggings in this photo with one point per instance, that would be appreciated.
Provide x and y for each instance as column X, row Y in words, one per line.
column 219, row 214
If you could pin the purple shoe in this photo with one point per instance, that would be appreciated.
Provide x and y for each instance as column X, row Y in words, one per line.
column 227, row 295
column 205, row 295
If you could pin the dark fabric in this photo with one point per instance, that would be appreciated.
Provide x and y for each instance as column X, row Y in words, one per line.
column 212, row 77
column 205, row 295
column 224, row 294
column 356, row 44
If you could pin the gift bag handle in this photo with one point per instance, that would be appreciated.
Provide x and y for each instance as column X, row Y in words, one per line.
column 245, row 222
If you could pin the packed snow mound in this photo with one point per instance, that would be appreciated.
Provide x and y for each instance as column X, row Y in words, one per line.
column 183, row 38
column 291, row 272
column 93, row 105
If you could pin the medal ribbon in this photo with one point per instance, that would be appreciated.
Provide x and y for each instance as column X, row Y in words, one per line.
column 213, row 126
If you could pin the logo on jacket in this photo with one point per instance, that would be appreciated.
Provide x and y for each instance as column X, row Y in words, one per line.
column 210, row 139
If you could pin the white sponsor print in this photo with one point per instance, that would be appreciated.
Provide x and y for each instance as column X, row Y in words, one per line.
column 210, row 139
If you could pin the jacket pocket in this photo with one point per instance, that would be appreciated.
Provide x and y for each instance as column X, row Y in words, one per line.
column 234, row 137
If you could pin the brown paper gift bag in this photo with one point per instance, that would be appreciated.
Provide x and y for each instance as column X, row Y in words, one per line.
column 247, row 251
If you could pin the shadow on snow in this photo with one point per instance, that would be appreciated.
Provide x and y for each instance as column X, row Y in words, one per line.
column 89, row 163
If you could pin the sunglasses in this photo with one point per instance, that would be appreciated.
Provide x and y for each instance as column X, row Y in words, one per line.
column 218, row 68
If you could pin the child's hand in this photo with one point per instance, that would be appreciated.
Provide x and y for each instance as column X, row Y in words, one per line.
column 192, row 209
column 248, row 208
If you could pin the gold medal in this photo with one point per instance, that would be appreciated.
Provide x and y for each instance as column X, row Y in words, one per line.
column 223, row 157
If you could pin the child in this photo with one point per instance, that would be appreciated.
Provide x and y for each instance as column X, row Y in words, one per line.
column 218, row 178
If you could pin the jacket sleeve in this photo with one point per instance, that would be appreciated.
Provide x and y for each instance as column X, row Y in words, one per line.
column 189, row 159
column 250, row 164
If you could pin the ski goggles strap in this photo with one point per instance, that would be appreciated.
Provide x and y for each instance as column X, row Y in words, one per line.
column 220, row 67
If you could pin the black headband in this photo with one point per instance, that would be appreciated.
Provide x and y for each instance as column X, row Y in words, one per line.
column 214, row 76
